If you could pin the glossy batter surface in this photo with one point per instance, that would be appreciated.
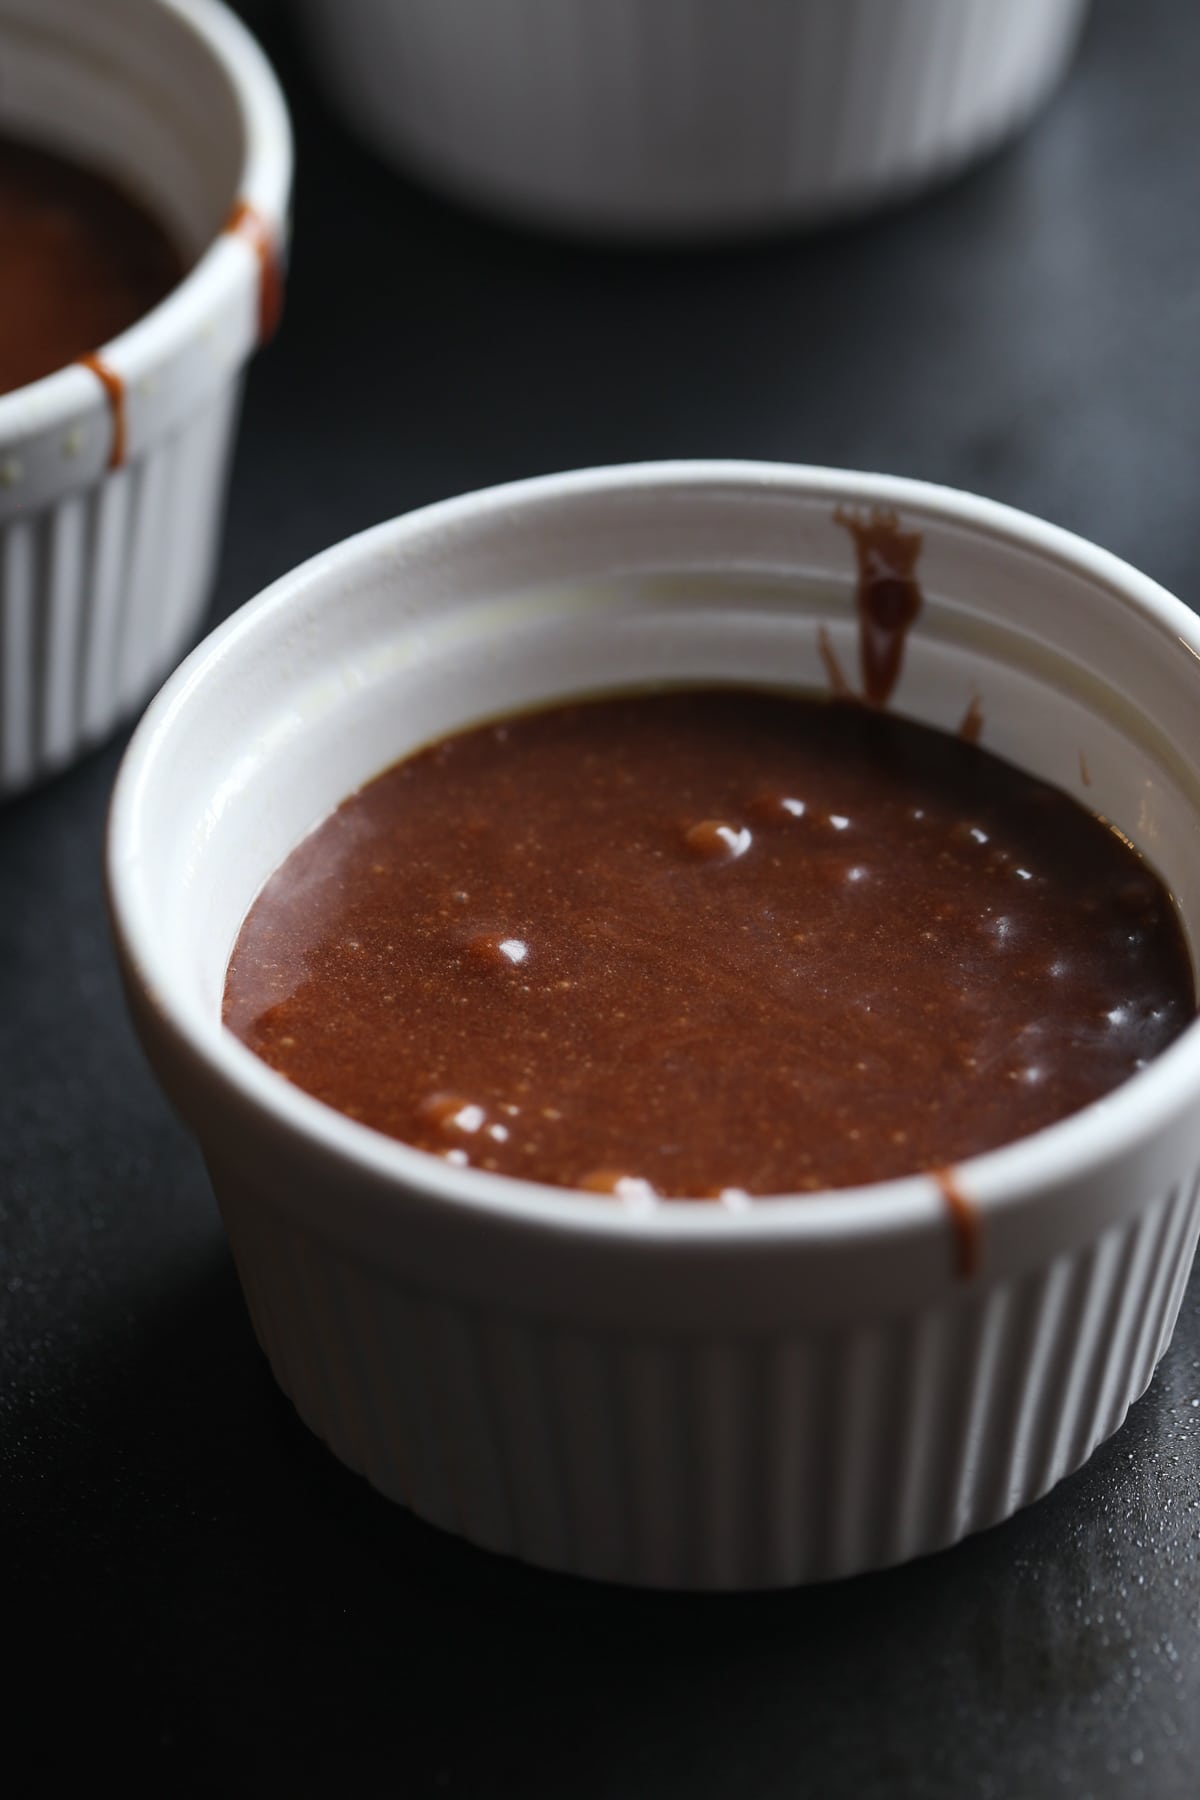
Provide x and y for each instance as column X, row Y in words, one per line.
column 709, row 941
column 81, row 262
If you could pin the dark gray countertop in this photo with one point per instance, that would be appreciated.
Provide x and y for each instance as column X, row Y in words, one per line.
column 195, row 1594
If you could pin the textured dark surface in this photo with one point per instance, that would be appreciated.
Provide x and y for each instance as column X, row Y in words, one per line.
column 192, row 1592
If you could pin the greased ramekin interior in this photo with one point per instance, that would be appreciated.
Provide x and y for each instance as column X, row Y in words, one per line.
column 1086, row 673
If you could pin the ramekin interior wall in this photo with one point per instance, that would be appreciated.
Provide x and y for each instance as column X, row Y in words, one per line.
column 1072, row 683
column 131, row 90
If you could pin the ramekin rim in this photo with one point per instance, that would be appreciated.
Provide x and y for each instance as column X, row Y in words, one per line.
column 264, row 181
column 1067, row 1151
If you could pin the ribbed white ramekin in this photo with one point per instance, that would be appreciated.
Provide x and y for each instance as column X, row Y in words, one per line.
column 110, row 514
column 687, row 1396
column 689, row 117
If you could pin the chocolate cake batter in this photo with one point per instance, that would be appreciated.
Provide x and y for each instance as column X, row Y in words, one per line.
column 697, row 943
column 82, row 261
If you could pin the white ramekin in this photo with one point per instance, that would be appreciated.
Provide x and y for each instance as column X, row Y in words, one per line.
column 104, row 570
column 688, row 117
column 688, row 1397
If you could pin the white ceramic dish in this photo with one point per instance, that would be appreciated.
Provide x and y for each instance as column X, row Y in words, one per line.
column 104, row 570
column 686, row 1396
column 694, row 118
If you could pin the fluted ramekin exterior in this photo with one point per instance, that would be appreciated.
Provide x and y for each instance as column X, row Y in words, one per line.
column 113, row 476
column 690, row 116
column 102, row 589
column 739, row 1462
